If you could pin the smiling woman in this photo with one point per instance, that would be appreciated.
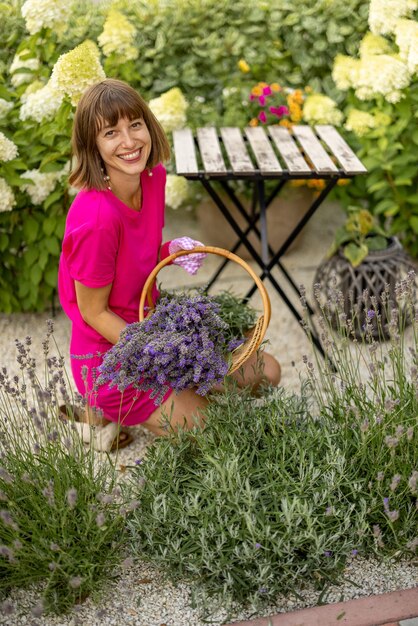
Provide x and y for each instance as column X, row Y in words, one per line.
column 112, row 242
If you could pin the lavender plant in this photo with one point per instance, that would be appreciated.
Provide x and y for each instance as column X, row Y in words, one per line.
column 371, row 402
column 281, row 492
column 181, row 345
column 61, row 511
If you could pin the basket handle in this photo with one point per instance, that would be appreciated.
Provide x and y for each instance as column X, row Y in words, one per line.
column 149, row 283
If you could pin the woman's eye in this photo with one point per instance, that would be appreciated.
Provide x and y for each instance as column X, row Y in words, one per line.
column 136, row 124
column 109, row 133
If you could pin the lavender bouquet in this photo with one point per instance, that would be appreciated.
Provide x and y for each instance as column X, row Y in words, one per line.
column 181, row 345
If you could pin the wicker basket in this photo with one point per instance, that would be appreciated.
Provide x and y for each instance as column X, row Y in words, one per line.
column 256, row 334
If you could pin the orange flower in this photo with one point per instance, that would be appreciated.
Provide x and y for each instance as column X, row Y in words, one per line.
column 275, row 87
column 285, row 123
column 253, row 122
column 316, row 184
column 298, row 96
column 343, row 181
column 257, row 90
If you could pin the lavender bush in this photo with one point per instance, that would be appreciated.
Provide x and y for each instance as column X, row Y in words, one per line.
column 281, row 492
column 181, row 345
column 62, row 516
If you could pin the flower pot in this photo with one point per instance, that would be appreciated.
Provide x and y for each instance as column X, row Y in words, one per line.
column 365, row 289
column 283, row 214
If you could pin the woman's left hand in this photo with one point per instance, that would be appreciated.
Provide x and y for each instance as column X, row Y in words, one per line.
column 190, row 262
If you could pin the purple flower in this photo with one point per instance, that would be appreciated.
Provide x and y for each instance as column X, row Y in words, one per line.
column 279, row 111
column 327, row 553
column 180, row 346
column 370, row 314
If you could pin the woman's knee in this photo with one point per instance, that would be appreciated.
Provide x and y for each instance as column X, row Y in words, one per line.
column 271, row 369
column 184, row 410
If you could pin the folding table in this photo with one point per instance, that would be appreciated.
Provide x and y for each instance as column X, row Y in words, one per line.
column 255, row 156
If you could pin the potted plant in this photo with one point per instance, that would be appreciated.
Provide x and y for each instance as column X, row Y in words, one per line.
column 364, row 264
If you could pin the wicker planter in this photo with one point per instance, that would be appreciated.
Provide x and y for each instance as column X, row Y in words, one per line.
column 282, row 216
column 379, row 272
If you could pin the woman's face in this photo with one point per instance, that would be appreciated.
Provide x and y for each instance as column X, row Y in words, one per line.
column 124, row 148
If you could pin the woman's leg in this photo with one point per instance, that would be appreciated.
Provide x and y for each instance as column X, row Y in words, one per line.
column 183, row 409
column 261, row 367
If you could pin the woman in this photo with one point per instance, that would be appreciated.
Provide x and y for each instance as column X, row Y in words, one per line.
column 112, row 241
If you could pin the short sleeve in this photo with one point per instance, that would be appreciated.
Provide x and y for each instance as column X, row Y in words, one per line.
column 90, row 254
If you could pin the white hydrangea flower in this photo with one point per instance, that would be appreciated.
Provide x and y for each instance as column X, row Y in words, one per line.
column 43, row 184
column 406, row 34
column 345, row 71
column 319, row 109
column 5, row 107
column 383, row 14
column 41, row 104
column 170, row 109
column 360, row 122
column 374, row 44
column 8, row 149
column 76, row 70
column 7, row 198
column 118, row 37
column 18, row 63
column 381, row 74
column 176, row 191
column 40, row 14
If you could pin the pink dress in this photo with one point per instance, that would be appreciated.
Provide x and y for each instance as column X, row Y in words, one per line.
column 105, row 241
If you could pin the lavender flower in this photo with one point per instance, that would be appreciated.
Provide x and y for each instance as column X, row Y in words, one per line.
column 179, row 346
column 72, row 497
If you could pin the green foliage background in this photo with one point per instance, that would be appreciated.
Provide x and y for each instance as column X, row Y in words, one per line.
column 195, row 45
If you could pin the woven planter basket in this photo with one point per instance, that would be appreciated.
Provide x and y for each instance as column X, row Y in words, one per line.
column 256, row 334
column 380, row 271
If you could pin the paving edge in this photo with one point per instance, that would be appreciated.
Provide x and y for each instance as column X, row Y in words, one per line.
column 370, row 611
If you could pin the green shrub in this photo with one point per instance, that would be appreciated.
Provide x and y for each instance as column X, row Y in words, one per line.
column 279, row 492
column 61, row 515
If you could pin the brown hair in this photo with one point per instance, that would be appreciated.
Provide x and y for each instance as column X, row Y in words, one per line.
column 106, row 102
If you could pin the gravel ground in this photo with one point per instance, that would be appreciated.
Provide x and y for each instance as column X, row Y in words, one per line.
column 141, row 597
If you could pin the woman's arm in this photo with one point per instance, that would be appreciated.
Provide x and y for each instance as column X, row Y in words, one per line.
column 93, row 305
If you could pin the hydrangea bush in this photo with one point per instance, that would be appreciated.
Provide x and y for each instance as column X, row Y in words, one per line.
column 381, row 87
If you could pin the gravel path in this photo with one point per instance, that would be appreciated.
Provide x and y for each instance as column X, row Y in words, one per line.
column 140, row 597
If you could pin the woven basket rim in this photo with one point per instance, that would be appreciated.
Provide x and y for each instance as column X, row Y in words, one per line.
column 256, row 336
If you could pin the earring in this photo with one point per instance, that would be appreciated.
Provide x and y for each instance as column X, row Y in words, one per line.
column 106, row 178
column 149, row 173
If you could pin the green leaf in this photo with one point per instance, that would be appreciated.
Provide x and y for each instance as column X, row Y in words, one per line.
column 52, row 245
column 43, row 259
column 31, row 255
column 49, row 224
column 355, row 254
column 30, row 229
column 377, row 242
column 51, row 276
column 413, row 221
column 4, row 242
column 35, row 274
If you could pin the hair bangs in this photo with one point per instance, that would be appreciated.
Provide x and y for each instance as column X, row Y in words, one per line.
column 113, row 105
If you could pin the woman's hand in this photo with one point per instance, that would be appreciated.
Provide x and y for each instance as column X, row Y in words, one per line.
column 190, row 262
